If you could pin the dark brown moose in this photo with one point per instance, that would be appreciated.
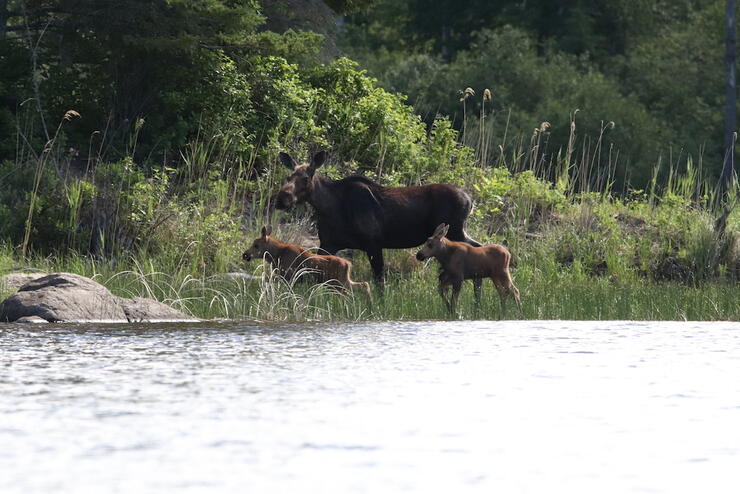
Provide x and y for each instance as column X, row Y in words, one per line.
column 357, row 213
column 289, row 259
column 461, row 261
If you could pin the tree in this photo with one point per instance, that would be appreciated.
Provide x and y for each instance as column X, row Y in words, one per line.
column 730, row 97
column 170, row 63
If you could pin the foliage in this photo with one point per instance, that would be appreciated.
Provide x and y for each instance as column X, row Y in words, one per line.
column 178, row 65
column 550, row 126
column 653, row 68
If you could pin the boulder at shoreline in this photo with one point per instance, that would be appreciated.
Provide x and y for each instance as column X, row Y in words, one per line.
column 13, row 281
column 139, row 309
column 67, row 297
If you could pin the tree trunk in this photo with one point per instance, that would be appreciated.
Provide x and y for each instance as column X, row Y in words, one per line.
column 3, row 18
column 730, row 98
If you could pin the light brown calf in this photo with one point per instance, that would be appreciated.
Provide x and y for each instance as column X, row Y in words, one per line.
column 290, row 258
column 461, row 261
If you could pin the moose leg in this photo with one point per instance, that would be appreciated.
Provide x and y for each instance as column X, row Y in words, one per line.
column 349, row 284
column 456, row 285
column 506, row 289
column 503, row 293
column 329, row 250
column 477, row 283
column 443, row 286
column 457, row 233
column 375, row 256
column 515, row 291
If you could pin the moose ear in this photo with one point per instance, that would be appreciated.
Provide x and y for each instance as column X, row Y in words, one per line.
column 318, row 159
column 266, row 230
column 287, row 161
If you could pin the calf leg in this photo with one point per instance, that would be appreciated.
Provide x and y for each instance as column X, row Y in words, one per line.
column 515, row 291
column 456, row 285
column 477, row 284
column 505, row 289
column 350, row 285
column 443, row 286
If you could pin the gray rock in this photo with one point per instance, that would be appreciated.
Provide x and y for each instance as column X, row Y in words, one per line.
column 63, row 297
column 32, row 320
column 140, row 309
column 66, row 297
column 13, row 281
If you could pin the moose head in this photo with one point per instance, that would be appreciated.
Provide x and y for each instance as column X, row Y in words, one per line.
column 433, row 244
column 260, row 246
column 299, row 186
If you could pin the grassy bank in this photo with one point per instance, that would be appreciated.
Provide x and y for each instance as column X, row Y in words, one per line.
column 581, row 250
column 554, row 292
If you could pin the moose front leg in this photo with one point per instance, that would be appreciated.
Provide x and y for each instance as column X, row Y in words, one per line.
column 375, row 256
column 477, row 283
column 443, row 286
column 456, row 286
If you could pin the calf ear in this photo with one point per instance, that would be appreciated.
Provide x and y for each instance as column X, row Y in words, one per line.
column 441, row 230
column 287, row 161
column 266, row 230
column 318, row 159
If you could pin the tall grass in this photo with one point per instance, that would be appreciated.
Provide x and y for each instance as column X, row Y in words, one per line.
column 548, row 292
column 582, row 250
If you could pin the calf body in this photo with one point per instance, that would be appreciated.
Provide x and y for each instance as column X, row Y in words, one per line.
column 290, row 258
column 461, row 261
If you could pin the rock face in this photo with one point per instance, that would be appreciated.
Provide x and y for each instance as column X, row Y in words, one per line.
column 31, row 320
column 63, row 297
column 13, row 281
column 66, row 297
column 140, row 309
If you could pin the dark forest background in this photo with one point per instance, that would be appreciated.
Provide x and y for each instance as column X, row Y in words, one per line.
column 652, row 67
column 116, row 116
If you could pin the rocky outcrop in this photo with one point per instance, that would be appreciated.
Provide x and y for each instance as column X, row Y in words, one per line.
column 66, row 297
column 63, row 297
column 13, row 281
column 140, row 309
column 31, row 320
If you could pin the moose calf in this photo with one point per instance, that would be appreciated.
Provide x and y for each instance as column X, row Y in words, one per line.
column 461, row 261
column 290, row 258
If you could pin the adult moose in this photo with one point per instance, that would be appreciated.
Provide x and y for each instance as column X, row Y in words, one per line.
column 357, row 213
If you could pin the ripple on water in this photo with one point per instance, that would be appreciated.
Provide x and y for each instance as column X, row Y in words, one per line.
column 502, row 406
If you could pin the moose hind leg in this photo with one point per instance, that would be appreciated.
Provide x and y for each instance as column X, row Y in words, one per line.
column 515, row 291
column 355, row 284
column 457, row 233
column 505, row 290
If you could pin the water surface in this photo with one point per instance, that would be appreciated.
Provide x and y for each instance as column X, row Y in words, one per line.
column 526, row 407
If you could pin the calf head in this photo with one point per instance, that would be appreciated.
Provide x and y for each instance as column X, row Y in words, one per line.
column 433, row 244
column 260, row 246
column 299, row 186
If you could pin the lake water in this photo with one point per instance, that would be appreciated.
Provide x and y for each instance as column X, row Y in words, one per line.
column 495, row 407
